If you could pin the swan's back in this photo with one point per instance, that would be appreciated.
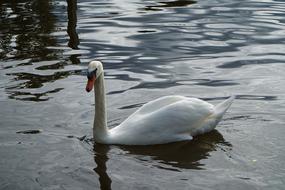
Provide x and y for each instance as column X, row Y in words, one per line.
column 167, row 119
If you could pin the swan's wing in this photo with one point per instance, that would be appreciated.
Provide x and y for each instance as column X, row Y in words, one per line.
column 167, row 123
column 181, row 116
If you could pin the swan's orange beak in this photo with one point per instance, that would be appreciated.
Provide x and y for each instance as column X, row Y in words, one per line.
column 90, row 84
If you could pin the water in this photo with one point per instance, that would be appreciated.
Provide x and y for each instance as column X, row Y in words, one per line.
column 205, row 49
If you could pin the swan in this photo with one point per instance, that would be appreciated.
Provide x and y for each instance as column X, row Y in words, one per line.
column 163, row 120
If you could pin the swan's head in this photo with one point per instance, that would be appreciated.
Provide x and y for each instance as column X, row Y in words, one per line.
column 95, row 69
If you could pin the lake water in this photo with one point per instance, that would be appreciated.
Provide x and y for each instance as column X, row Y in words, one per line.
column 207, row 49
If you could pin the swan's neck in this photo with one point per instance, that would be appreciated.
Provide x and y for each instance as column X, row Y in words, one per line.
column 100, row 131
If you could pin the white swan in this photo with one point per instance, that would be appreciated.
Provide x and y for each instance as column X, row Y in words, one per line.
column 164, row 120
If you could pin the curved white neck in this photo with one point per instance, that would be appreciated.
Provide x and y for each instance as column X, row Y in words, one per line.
column 100, row 130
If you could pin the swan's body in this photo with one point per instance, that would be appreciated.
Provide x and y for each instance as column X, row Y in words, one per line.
column 164, row 120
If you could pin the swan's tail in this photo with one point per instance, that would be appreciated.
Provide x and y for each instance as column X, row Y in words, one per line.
column 221, row 108
column 212, row 121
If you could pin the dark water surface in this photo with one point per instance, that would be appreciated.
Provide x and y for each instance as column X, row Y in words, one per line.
column 208, row 49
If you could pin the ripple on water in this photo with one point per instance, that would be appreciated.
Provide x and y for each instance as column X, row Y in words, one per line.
column 206, row 49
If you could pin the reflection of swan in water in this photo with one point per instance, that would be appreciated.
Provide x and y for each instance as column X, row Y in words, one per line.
column 186, row 154
column 101, row 159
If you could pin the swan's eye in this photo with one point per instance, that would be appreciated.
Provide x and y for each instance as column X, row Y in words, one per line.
column 91, row 74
